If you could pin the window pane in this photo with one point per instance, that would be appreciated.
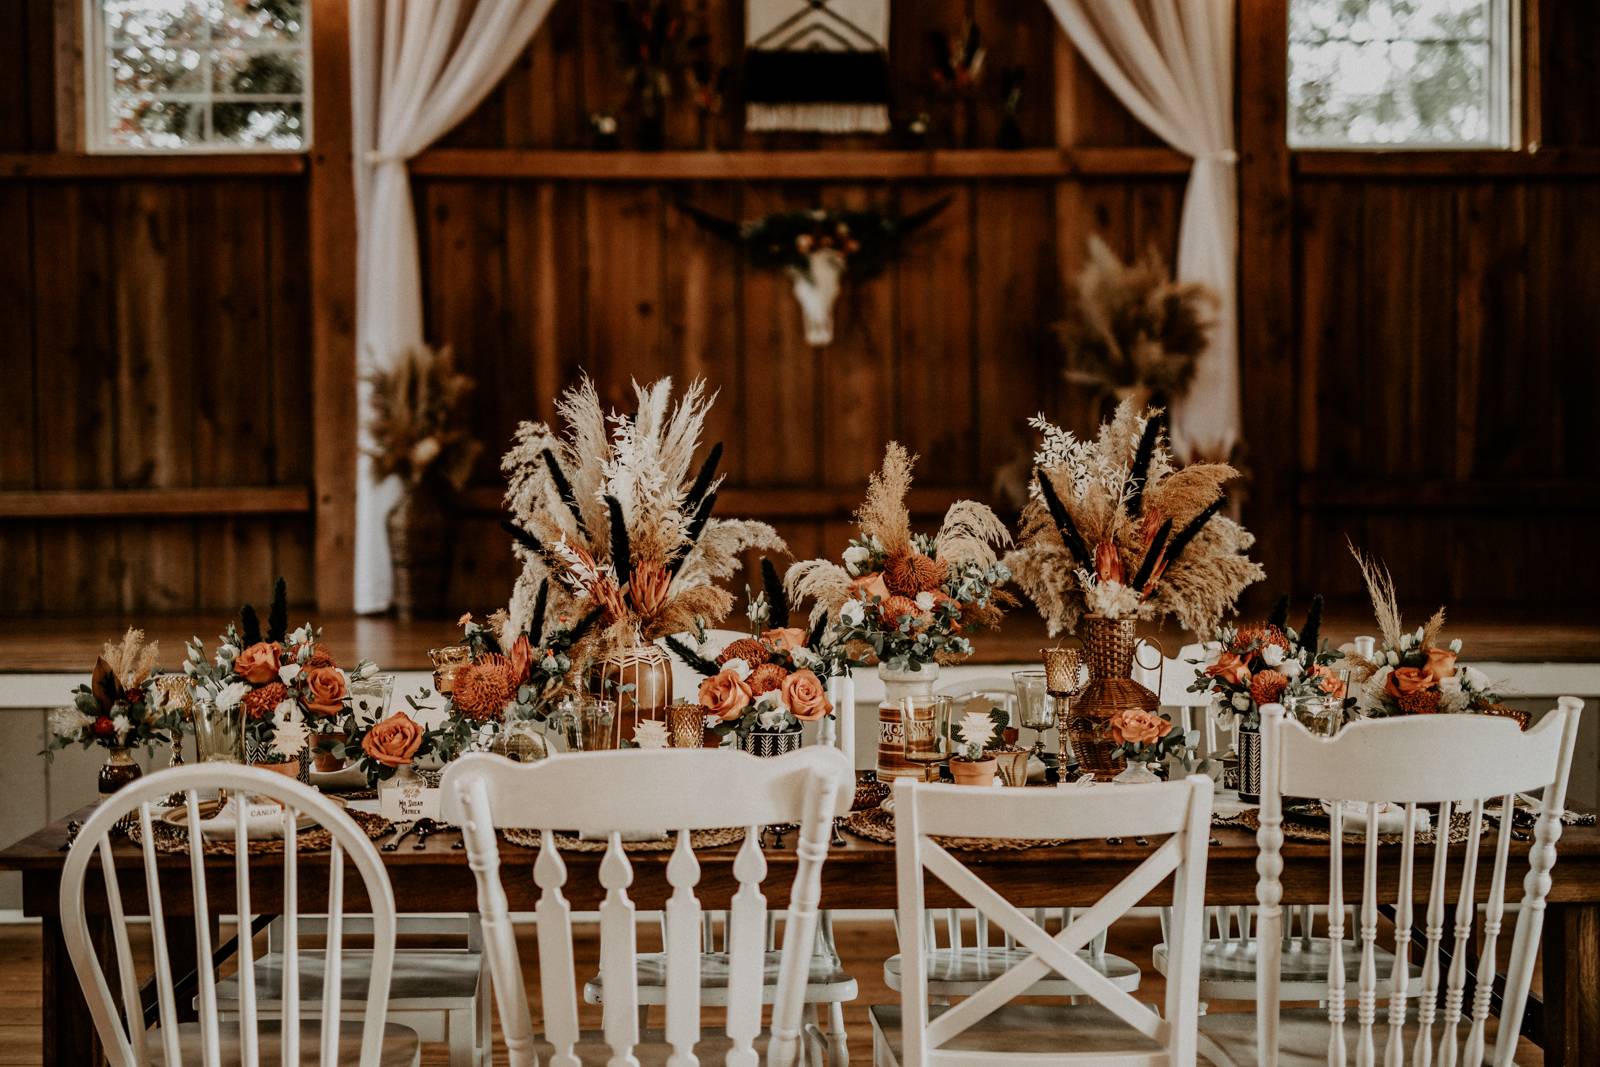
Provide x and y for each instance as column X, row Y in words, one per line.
column 198, row 74
column 1395, row 72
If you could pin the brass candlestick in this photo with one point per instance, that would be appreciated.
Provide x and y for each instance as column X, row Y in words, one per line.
column 1063, row 678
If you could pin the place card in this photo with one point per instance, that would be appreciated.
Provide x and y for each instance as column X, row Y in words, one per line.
column 409, row 801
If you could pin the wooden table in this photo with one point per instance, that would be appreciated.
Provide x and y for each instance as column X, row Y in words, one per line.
column 858, row 875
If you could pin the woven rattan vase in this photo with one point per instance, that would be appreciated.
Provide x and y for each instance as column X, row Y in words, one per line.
column 1110, row 644
column 419, row 552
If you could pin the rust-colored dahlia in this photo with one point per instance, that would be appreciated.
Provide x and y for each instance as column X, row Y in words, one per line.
column 321, row 657
column 766, row 678
column 910, row 573
column 1267, row 686
column 897, row 607
column 483, row 688
column 748, row 649
column 260, row 702
column 1260, row 637
column 1419, row 701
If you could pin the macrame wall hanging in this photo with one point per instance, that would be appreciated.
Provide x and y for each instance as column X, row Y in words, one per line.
column 819, row 65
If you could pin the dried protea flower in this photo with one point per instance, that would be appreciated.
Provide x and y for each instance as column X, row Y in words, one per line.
column 748, row 649
column 648, row 587
column 910, row 573
column 604, row 592
column 1255, row 638
column 261, row 702
column 766, row 678
column 482, row 689
column 1108, row 563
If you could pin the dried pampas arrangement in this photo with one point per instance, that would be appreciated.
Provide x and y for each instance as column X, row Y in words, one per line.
column 1112, row 528
column 419, row 417
column 613, row 518
column 1133, row 332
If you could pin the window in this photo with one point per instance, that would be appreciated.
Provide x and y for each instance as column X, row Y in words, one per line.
column 197, row 75
column 1400, row 73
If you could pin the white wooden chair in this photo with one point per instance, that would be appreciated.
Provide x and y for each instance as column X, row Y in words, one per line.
column 1457, row 762
column 634, row 791
column 985, row 1028
column 367, row 1035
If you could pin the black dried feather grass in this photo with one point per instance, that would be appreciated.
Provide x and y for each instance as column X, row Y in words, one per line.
column 697, row 526
column 818, row 628
column 564, row 489
column 697, row 663
column 1280, row 613
column 540, row 604
column 621, row 549
column 278, row 614
column 1311, row 632
column 1070, row 536
column 1191, row 531
column 777, row 596
column 703, row 480
column 249, row 626
column 1139, row 473
column 525, row 539
column 1147, row 566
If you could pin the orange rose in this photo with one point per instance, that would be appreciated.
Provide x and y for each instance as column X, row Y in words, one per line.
column 1139, row 727
column 1442, row 662
column 805, row 697
column 785, row 638
column 1328, row 682
column 725, row 695
column 766, row 678
column 259, row 663
column 521, row 658
column 868, row 586
column 1403, row 680
column 325, row 691
column 394, row 741
column 1230, row 668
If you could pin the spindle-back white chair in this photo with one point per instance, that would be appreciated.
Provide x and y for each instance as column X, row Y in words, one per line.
column 1459, row 763
column 253, row 1041
column 984, row 1028
column 643, row 791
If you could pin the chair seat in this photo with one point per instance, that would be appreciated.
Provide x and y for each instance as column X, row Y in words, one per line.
column 1230, row 1039
column 1228, row 969
column 961, row 972
column 437, row 979
column 1046, row 1030
column 652, row 1050
column 826, row 981
column 400, row 1047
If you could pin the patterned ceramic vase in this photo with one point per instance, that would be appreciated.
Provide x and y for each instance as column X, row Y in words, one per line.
column 917, row 683
column 1249, row 744
column 769, row 742
column 257, row 754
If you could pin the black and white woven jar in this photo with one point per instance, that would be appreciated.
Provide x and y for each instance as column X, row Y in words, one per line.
column 1249, row 745
column 770, row 742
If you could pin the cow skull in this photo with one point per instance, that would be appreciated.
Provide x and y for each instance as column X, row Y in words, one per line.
column 816, row 287
column 816, row 248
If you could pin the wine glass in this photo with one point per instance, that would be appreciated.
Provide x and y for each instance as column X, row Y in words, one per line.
column 1034, row 709
column 925, row 726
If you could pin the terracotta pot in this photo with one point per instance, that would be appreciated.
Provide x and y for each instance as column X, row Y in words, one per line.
column 419, row 551
column 324, row 760
column 1110, row 644
column 897, row 685
column 649, row 671
column 973, row 772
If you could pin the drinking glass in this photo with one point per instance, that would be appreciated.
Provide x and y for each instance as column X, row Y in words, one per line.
column 1034, row 706
column 585, row 723
column 218, row 733
column 925, row 725
column 369, row 698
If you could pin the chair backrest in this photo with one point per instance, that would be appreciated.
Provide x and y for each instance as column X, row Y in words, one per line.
column 1181, row 811
column 124, row 1034
column 642, row 791
column 1453, row 762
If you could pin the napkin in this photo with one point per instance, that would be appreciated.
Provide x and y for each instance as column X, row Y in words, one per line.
column 1391, row 817
column 262, row 819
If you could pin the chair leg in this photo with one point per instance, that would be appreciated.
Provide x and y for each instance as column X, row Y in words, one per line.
column 461, row 1028
column 838, row 1043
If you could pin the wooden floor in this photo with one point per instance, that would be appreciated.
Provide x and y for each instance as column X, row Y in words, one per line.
column 863, row 945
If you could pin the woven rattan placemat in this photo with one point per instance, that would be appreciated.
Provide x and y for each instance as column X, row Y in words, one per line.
column 170, row 838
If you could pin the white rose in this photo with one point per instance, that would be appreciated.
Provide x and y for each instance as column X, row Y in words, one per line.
column 1272, row 655
column 1455, row 646
column 231, row 695
column 855, row 559
column 288, row 673
column 924, row 601
column 1291, row 669
column 853, row 613
column 1474, row 678
column 300, row 636
column 1450, row 685
column 1241, row 702
column 775, row 717
column 739, row 666
column 122, row 726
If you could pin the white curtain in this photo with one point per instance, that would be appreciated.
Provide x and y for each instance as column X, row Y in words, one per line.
column 418, row 67
column 1170, row 62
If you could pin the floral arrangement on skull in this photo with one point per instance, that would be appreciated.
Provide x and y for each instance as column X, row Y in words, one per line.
column 905, row 599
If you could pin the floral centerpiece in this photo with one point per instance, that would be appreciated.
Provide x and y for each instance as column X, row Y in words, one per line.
column 119, row 710
column 1268, row 663
column 615, row 519
column 291, row 693
column 1115, row 533
column 1147, row 737
column 772, row 681
column 503, row 685
column 908, row 601
column 1413, row 672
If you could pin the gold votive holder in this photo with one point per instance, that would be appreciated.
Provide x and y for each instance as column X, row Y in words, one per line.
column 446, row 661
column 686, row 725
column 1063, row 670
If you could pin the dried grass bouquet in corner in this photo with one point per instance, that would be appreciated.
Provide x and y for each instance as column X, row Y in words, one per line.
column 1113, row 529
column 908, row 598
column 1131, row 331
column 613, row 514
column 419, row 419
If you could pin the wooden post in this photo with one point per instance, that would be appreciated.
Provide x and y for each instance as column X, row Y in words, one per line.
column 332, row 218
column 1267, row 354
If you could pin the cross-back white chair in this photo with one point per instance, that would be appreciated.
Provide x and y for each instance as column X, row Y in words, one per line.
column 1457, row 762
column 642, row 791
column 985, row 1028
column 293, row 1040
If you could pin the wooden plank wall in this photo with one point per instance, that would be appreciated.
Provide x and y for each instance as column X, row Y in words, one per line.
column 154, row 334
column 1418, row 362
